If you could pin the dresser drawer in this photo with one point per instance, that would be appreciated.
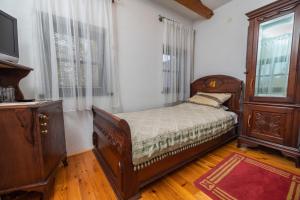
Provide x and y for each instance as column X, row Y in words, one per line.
column 273, row 124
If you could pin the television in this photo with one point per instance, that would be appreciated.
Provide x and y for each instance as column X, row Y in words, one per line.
column 9, row 50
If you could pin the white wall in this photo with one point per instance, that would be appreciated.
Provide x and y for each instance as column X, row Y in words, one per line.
column 140, row 37
column 221, row 42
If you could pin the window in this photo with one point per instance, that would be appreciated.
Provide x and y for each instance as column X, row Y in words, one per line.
column 173, row 58
column 72, row 38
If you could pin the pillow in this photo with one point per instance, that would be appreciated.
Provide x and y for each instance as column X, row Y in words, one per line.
column 210, row 99
column 222, row 97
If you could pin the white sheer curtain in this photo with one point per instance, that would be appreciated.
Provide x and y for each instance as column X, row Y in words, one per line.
column 75, row 53
column 178, row 55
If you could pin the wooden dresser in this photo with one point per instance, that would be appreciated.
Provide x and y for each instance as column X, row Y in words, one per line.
column 272, row 99
column 32, row 139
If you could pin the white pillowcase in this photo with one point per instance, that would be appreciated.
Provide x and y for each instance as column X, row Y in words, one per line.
column 210, row 99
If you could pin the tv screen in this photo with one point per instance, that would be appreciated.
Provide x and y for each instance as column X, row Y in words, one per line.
column 8, row 38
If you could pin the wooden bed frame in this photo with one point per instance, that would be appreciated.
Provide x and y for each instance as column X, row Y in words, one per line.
column 113, row 148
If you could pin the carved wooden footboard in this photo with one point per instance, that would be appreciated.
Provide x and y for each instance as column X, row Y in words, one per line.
column 112, row 146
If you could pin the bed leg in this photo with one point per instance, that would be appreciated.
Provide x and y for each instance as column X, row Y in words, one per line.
column 130, row 188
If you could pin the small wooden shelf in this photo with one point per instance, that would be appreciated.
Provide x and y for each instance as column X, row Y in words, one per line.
column 11, row 75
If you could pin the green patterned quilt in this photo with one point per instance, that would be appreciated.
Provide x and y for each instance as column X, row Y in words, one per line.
column 162, row 132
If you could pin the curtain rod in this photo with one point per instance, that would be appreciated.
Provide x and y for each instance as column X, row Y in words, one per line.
column 160, row 18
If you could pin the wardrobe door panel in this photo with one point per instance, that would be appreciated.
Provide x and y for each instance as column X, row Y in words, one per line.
column 269, row 123
column 273, row 57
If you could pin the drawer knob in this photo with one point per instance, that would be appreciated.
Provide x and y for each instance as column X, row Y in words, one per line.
column 44, row 132
column 44, row 124
column 42, row 116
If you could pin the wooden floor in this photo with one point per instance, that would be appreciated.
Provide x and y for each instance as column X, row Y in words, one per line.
column 84, row 179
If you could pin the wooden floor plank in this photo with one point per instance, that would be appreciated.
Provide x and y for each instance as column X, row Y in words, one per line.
column 84, row 179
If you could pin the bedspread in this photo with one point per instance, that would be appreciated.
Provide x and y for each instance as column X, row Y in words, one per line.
column 162, row 132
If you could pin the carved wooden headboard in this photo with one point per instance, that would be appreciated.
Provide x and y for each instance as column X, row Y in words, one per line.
column 221, row 84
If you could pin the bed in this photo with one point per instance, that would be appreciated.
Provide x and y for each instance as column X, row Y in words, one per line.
column 135, row 149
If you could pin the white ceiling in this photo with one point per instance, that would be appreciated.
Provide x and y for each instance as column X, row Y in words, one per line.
column 212, row 4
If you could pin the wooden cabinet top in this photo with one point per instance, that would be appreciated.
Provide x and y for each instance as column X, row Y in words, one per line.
column 13, row 66
column 34, row 104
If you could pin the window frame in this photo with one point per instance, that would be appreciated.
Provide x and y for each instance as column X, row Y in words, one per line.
column 102, row 87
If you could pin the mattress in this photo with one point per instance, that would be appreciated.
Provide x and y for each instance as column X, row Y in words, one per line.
column 158, row 133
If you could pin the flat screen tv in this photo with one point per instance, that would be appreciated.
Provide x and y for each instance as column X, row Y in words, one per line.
column 9, row 49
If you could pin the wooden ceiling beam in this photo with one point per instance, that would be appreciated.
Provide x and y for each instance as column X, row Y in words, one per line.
column 198, row 7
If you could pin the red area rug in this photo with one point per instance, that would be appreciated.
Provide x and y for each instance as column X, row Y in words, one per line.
column 241, row 178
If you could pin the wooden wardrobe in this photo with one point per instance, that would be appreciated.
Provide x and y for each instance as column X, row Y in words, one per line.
column 272, row 99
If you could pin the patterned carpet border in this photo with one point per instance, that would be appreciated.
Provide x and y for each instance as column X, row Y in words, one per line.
column 211, row 183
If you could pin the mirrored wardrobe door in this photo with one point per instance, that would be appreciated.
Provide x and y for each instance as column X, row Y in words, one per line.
column 272, row 60
column 274, row 56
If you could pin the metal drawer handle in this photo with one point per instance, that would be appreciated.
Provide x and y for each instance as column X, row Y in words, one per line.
column 249, row 120
column 44, row 132
column 44, row 124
